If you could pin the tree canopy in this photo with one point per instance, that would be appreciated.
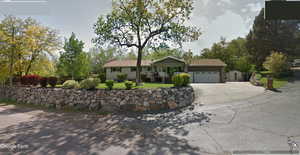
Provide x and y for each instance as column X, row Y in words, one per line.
column 141, row 23
column 25, row 44
column 73, row 62
column 233, row 53
column 272, row 35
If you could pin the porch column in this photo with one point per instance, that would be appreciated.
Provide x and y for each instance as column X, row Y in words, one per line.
column 164, row 73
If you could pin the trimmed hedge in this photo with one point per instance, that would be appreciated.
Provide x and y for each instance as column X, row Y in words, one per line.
column 181, row 80
column 90, row 83
column 70, row 84
column 109, row 84
column 128, row 85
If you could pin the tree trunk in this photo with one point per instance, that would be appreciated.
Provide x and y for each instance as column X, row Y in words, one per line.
column 11, row 66
column 20, row 66
column 29, row 67
column 138, row 65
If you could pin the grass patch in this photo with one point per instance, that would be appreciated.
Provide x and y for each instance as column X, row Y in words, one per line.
column 277, row 82
column 144, row 85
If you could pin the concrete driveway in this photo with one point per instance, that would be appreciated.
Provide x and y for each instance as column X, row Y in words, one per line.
column 217, row 93
column 267, row 122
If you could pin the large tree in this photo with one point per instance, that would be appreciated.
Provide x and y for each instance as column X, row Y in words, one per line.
column 73, row 62
column 11, row 29
column 23, row 44
column 141, row 23
column 233, row 53
column 40, row 42
column 272, row 35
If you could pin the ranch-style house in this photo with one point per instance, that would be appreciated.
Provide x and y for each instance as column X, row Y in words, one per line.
column 201, row 70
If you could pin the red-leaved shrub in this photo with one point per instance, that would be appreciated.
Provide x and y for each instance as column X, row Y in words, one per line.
column 43, row 82
column 30, row 80
column 52, row 81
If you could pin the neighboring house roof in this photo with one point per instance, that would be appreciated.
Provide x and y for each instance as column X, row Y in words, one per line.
column 207, row 63
column 126, row 63
column 194, row 62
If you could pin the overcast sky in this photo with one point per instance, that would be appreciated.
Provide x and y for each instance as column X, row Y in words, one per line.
column 216, row 18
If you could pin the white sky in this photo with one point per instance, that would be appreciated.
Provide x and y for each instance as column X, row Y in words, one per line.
column 216, row 18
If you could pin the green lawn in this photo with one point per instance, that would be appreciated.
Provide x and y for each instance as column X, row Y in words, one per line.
column 145, row 85
column 277, row 82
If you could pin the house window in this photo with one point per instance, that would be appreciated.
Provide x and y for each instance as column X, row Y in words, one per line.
column 116, row 69
column 133, row 69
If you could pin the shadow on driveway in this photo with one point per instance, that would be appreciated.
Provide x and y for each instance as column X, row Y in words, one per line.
column 56, row 133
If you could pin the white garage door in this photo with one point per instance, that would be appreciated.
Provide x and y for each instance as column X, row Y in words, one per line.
column 206, row 77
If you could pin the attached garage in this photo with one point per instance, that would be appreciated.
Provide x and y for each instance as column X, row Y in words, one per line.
column 207, row 71
column 206, row 77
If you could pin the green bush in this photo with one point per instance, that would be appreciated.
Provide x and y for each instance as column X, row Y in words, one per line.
column 102, row 77
column 181, row 80
column 109, row 84
column 90, row 83
column 186, row 79
column 177, row 80
column 128, row 85
column 121, row 77
column 276, row 63
column 70, row 84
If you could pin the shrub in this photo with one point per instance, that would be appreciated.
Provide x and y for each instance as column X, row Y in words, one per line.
column 43, row 82
column 181, row 80
column 102, row 77
column 128, row 85
column 121, row 77
column 30, row 80
column 276, row 63
column 186, row 79
column 109, row 84
column 177, row 81
column 70, row 84
column 52, row 81
column 90, row 83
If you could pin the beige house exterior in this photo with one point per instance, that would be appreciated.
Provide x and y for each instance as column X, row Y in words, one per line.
column 201, row 70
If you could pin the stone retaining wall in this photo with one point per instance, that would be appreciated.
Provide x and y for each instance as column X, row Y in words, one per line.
column 103, row 100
